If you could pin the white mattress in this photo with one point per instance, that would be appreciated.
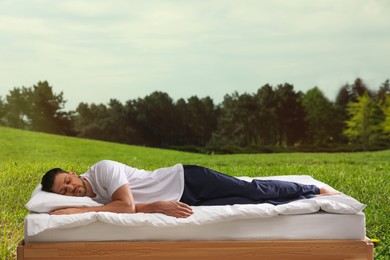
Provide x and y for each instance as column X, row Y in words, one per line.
column 319, row 225
column 322, row 217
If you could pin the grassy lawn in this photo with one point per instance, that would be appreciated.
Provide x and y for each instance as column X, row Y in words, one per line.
column 25, row 156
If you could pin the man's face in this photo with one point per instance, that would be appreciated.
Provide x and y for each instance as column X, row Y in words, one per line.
column 69, row 184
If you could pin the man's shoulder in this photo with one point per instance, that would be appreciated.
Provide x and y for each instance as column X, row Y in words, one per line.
column 107, row 163
column 101, row 167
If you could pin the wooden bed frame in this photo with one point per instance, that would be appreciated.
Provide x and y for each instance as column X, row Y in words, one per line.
column 276, row 249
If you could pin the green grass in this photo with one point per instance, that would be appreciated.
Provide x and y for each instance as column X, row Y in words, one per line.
column 25, row 156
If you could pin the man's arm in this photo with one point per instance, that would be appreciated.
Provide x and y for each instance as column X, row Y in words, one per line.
column 171, row 208
column 123, row 202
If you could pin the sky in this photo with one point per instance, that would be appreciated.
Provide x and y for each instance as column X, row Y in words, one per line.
column 96, row 50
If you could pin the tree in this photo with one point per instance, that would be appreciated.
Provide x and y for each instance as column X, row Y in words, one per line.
column 386, row 122
column 2, row 111
column 350, row 93
column 16, row 109
column 383, row 98
column 320, row 117
column 156, row 119
column 359, row 88
column 343, row 97
column 364, row 124
column 383, row 92
column 346, row 95
column 237, row 124
column 153, row 121
column 270, row 117
column 91, row 121
column 198, row 119
column 134, row 133
column 102, row 122
column 37, row 108
column 290, row 115
column 268, row 121
column 46, row 113
column 116, row 125
column 184, row 135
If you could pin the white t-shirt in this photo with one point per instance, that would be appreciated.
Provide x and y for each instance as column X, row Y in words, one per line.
column 164, row 184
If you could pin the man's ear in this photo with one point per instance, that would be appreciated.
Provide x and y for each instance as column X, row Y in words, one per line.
column 73, row 173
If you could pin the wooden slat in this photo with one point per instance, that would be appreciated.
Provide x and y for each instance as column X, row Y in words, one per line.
column 304, row 249
column 20, row 251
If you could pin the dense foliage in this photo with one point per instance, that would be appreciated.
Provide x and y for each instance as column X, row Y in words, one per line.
column 272, row 119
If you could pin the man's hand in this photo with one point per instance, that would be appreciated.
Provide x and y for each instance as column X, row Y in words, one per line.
column 174, row 208
column 171, row 208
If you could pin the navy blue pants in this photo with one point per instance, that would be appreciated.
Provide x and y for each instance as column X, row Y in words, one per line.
column 203, row 186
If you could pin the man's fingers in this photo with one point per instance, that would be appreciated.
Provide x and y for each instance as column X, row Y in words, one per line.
column 184, row 205
column 181, row 210
column 185, row 208
column 182, row 214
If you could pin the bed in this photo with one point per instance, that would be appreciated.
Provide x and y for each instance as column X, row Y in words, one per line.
column 325, row 227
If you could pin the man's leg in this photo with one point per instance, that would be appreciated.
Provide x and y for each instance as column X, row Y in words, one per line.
column 202, row 185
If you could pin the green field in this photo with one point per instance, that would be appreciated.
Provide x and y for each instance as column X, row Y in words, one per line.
column 25, row 156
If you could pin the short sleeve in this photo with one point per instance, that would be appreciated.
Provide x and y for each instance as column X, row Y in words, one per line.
column 111, row 175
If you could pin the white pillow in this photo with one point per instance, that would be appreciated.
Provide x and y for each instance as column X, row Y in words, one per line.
column 44, row 202
column 342, row 204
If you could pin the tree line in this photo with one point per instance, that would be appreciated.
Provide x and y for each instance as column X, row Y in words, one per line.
column 272, row 119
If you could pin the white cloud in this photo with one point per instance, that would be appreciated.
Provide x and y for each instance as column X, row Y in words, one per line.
column 183, row 47
column 85, row 8
column 24, row 25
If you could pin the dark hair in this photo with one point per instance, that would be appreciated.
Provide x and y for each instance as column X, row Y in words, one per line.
column 49, row 177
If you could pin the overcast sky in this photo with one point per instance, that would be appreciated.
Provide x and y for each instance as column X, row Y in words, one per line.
column 96, row 50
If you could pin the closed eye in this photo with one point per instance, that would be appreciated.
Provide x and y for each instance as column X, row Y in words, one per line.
column 64, row 190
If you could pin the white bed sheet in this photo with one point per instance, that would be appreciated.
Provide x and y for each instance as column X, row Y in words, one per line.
column 319, row 225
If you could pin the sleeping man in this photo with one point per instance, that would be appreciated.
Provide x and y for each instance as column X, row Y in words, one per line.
column 171, row 190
